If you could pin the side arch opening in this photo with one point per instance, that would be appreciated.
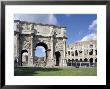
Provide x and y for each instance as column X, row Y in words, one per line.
column 24, row 57
column 57, row 54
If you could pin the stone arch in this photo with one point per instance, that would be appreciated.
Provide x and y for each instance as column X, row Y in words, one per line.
column 69, row 62
column 30, row 35
column 43, row 45
column 85, row 60
column 72, row 53
column 26, row 57
column 57, row 54
column 76, row 60
column 80, row 59
column 91, row 52
column 76, row 53
column 72, row 60
column 43, row 60
column 91, row 61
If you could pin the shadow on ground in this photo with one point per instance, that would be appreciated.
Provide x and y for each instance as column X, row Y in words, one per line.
column 29, row 71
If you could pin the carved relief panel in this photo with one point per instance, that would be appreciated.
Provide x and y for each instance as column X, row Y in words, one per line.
column 59, row 45
column 25, row 42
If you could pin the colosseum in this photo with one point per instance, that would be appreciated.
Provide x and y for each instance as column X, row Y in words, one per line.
column 82, row 54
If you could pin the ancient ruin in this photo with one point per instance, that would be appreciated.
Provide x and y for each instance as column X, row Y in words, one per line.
column 27, row 36
column 82, row 52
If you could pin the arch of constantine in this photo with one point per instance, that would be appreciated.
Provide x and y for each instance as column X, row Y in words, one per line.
column 27, row 36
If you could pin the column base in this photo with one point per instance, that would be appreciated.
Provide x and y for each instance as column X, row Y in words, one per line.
column 50, row 63
column 30, row 62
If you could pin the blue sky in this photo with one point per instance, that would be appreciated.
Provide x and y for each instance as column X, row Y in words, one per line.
column 40, row 51
column 80, row 27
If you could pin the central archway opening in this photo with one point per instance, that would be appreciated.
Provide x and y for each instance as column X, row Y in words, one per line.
column 40, row 54
column 57, row 54
column 43, row 47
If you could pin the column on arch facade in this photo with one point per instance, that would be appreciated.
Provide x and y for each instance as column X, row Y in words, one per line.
column 31, row 58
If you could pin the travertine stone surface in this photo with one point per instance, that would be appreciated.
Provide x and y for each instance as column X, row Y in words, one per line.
column 82, row 50
column 30, row 35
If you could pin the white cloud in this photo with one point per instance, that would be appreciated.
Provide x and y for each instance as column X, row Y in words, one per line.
column 93, row 25
column 37, row 18
column 91, row 36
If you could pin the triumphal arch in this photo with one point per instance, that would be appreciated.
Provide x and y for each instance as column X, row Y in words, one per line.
column 27, row 36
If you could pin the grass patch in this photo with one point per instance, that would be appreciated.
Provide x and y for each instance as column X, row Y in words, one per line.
column 38, row 71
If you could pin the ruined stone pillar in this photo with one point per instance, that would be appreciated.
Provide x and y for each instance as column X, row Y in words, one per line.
column 17, row 49
column 30, row 62
column 17, row 45
column 64, row 52
column 50, row 61
column 51, row 47
column 16, row 32
column 52, row 50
